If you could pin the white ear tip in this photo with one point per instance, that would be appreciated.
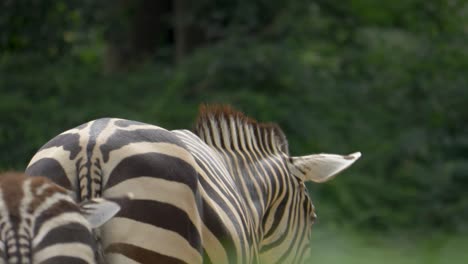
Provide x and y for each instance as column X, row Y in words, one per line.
column 353, row 156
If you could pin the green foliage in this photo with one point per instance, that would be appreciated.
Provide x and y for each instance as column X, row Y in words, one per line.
column 47, row 28
column 338, row 245
column 386, row 79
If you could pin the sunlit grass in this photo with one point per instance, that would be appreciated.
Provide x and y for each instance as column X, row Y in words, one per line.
column 335, row 246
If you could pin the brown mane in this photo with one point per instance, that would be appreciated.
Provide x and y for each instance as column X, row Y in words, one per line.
column 215, row 115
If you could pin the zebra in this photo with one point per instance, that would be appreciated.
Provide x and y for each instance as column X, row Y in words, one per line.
column 226, row 192
column 41, row 224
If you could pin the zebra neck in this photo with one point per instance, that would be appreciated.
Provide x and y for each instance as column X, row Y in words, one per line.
column 254, row 154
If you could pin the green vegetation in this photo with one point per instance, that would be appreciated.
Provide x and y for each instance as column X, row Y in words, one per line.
column 387, row 79
column 340, row 246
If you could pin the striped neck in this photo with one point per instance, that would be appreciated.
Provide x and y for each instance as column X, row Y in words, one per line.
column 222, row 127
column 255, row 155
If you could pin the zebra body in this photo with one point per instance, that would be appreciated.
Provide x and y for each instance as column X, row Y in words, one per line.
column 228, row 193
column 41, row 224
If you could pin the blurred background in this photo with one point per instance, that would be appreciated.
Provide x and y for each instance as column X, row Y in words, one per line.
column 387, row 78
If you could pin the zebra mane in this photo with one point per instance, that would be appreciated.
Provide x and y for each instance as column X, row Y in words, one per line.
column 223, row 127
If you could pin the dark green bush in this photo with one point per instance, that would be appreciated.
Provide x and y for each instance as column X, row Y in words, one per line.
column 389, row 82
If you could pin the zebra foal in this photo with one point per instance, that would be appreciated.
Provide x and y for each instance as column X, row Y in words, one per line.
column 228, row 192
column 41, row 224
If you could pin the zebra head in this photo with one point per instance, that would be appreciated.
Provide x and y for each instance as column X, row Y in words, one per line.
column 290, row 219
column 316, row 168
column 40, row 223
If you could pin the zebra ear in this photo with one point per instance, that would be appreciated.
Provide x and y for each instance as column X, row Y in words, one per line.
column 99, row 210
column 322, row 167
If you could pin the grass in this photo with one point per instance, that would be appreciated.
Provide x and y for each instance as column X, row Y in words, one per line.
column 339, row 246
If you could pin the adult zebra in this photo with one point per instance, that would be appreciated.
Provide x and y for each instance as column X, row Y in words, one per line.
column 41, row 224
column 228, row 193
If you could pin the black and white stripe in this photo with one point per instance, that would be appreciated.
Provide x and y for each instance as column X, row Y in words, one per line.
column 227, row 193
column 41, row 224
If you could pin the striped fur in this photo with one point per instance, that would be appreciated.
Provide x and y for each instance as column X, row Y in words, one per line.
column 224, row 194
column 40, row 223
